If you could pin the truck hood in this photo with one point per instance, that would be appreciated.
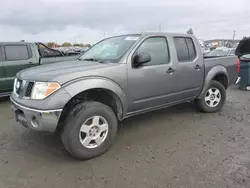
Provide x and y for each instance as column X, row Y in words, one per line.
column 60, row 72
column 243, row 48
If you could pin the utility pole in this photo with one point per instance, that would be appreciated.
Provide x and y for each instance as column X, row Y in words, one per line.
column 159, row 27
column 234, row 34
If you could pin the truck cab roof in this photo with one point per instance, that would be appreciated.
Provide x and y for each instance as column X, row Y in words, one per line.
column 144, row 34
column 16, row 43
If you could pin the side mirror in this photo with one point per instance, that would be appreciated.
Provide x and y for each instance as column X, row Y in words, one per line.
column 141, row 58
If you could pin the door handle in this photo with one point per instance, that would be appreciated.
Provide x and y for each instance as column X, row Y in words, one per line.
column 170, row 71
column 197, row 67
column 30, row 62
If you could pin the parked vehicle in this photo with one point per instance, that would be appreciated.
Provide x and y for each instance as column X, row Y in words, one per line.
column 221, row 51
column 16, row 56
column 117, row 78
column 73, row 50
column 205, row 50
column 243, row 53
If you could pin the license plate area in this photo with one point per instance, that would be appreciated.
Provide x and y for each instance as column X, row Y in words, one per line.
column 19, row 116
column 15, row 111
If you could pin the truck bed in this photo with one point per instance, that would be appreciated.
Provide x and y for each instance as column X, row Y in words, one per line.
column 228, row 62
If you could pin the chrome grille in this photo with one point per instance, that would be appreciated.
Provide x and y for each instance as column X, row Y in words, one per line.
column 23, row 88
column 29, row 89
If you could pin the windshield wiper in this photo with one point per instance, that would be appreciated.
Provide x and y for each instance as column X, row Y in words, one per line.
column 91, row 59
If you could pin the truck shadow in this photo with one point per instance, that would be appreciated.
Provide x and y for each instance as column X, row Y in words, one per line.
column 131, row 131
column 155, row 124
column 159, row 115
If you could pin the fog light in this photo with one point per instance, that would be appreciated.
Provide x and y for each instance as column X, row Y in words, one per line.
column 34, row 122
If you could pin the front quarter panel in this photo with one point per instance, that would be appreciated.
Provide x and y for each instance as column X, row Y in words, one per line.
column 55, row 101
column 74, row 88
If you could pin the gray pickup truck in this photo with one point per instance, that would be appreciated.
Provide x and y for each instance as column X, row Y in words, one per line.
column 117, row 78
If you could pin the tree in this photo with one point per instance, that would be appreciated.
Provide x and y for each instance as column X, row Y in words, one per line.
column 86, row 45
column 66, row 44
column 51, row 44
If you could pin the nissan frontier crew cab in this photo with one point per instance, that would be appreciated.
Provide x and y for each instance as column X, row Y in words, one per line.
column 119, row 77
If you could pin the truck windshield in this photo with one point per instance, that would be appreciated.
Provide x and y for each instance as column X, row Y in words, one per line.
column 111, row 49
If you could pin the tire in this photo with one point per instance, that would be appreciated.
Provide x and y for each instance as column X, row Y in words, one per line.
column 205, row 106
column 71, row 135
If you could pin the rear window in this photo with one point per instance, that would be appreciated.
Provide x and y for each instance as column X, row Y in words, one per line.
column 185, row 49
column 19, row 52
column 191, row 48
column 181, row 49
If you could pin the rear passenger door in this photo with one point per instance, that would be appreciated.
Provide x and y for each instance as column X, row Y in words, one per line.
column 17, row 58
column 189, row 70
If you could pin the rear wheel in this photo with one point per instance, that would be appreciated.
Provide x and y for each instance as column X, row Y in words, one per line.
column 214, row 98
column 90, row 130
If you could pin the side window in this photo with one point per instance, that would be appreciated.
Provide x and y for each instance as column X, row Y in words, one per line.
column 157, row 47
column 19, row 52
column 47, row 52
column 181, row 49
column 185, row 49
column 191, row 48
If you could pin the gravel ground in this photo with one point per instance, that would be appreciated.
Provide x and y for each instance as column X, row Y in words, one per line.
column 175, row 147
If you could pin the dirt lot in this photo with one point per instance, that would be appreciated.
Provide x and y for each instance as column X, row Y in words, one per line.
column 175, row 147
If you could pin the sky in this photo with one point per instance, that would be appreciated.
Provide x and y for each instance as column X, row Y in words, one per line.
column 88, row 21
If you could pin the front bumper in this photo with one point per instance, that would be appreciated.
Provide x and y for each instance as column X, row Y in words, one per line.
column 39, row 120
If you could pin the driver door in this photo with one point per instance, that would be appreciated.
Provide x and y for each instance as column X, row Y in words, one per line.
column 151, row 83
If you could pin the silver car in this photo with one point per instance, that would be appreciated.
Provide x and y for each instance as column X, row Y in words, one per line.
column 221, row 51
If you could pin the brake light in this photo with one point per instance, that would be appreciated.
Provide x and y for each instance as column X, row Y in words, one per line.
column 238, row 65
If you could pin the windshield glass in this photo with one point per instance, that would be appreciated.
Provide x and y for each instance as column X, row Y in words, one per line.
column 218, row 52
column 111, row 49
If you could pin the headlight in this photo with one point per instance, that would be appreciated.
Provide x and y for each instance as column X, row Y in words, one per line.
column 41, row 90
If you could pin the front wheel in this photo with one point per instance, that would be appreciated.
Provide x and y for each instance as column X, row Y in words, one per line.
column 214, row 98
column 89, row 130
